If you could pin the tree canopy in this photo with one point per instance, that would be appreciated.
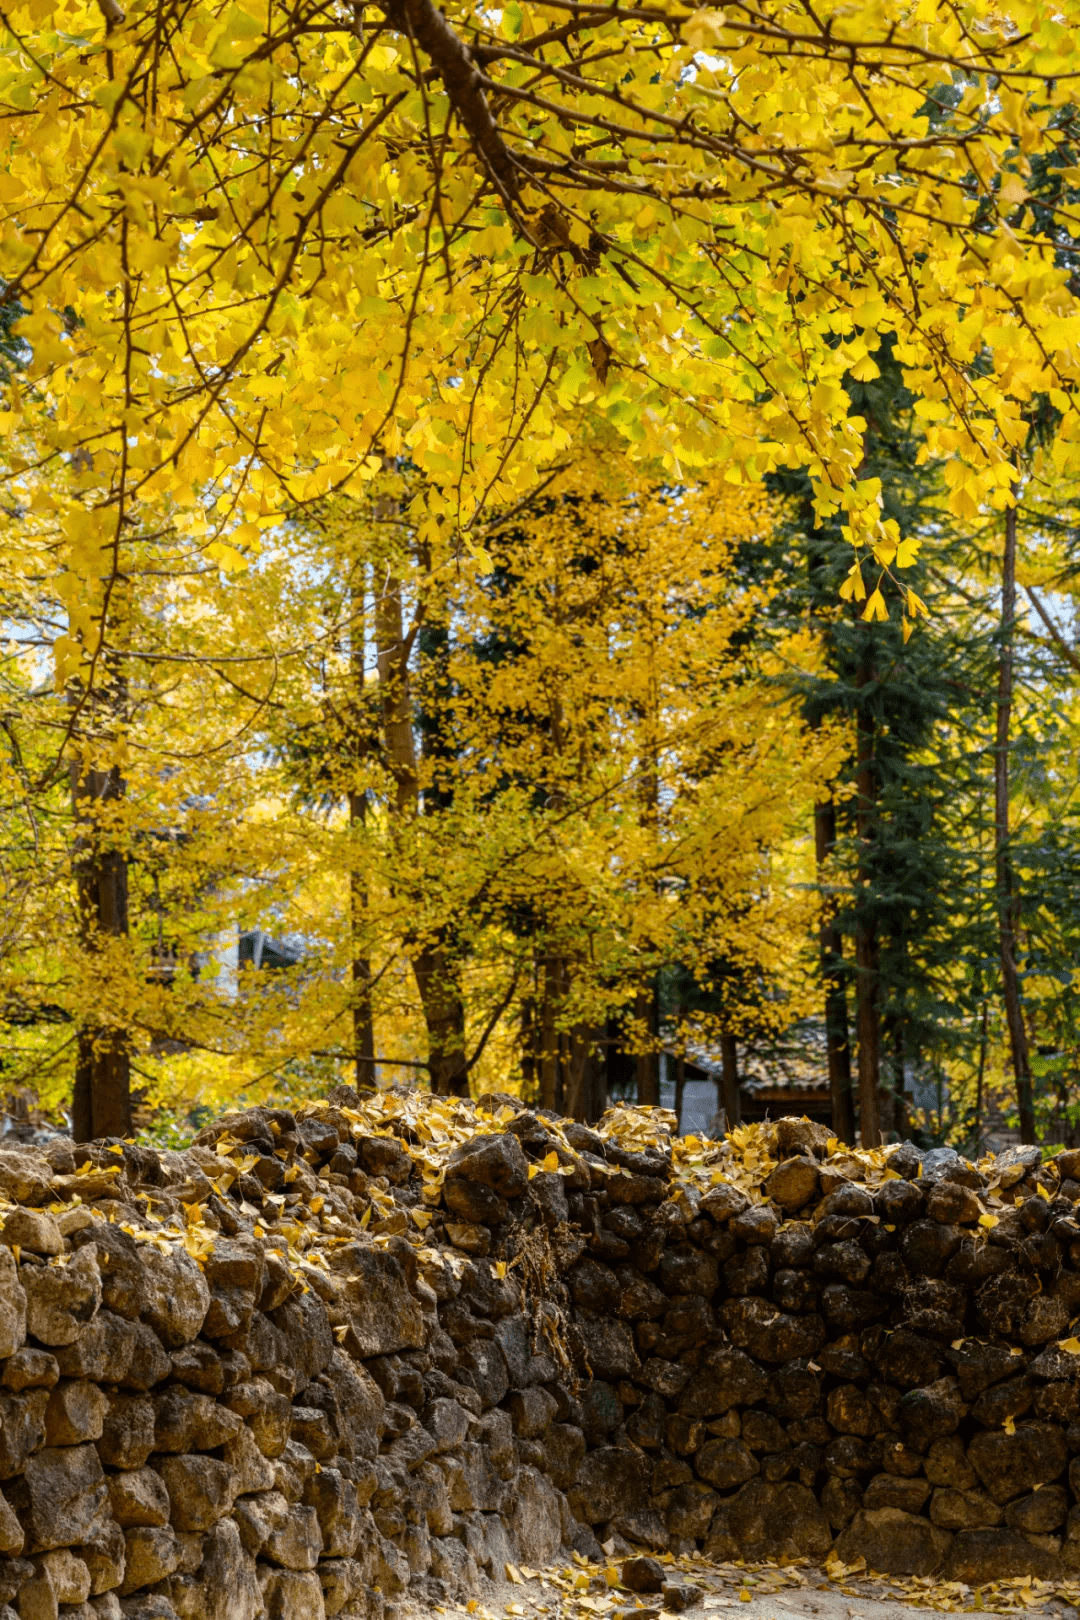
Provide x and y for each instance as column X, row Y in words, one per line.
column 257, row 248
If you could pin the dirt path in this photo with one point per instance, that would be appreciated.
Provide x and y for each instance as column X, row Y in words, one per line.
column 755, row 1591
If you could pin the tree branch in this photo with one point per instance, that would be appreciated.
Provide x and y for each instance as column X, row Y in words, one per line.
column 425, row 24
column 1059, row 640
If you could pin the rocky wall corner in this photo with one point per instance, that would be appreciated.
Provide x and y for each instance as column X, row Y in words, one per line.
column 388, row 1345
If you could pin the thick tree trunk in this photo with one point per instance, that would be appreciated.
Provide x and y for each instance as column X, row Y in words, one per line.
column 730, row 1101
column 584, row 1094
column 868, row 1012
column 831, row 952
column 1005, row 876
column 101, row 1105
column 444, row 1015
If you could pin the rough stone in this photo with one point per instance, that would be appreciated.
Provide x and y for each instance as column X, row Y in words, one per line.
column 978, row 1557
column 764, row 1520
column 225, row 1586
column 793, row 1183
column 177, row 1295
column 25, row 1176
column 610, row 1480
column 607, row 1350
column 75, row 1413
column 22, row 1428
column 103, row 1350
column 725, row 1464
column 495, row 1162
column 892, row 1491
column 33, row 1230
column 138, row 1497
column 184, row 1420
column 289, row 1594
column 770, row 1335
column 151, row 1553
column 60, row 1497
column 382, row 1314
column 29, row 1368
column 535, row 1522
column 12, row 1305
column 1010, row 1464
column 532, row 1410
column 643, row 1575
column 954, row 1509
column 104, row 1557
column 60, row 1300
column 127, row 1435
column 250, row 1470
column 200, row 1489
column 1040, row 1511
column 894, row 1542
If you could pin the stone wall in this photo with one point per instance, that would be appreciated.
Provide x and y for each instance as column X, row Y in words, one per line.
column 318, row 1361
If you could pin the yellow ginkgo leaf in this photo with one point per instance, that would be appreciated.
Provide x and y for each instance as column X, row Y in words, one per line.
column 875, row 608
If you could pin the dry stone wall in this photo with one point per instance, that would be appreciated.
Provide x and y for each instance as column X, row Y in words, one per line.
column 321, row 1361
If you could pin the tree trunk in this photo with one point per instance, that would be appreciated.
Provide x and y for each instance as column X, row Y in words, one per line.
column 551, row 1068
column 437, row 975
column 444, row 1014
column 984, row 1031
column 730, row 1101
column 393, row 659
column 1005, row 877
column 362, row 1014
column 101, row 1105
column 647, row 1064
column 897, row 1116
column 680, row 1068
column 867, row 1012
column 585, row 1097
column 831, row 951
column 530, row 1073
